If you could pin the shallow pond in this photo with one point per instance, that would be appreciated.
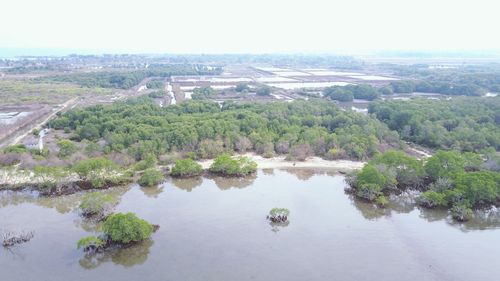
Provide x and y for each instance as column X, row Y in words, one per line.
column 216, row 229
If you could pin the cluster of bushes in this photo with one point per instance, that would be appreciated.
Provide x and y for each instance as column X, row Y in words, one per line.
column 466, row 124
column 97, row 205
column 201, row 93
column 140, row 127
column 150, row 177
column 186, row 168
column 350, row 92
column 227, row 166
column 99, row 172
column 118, row 229
column 449, row 179
column 66, row 148
column 155, row 84
column 157, row 94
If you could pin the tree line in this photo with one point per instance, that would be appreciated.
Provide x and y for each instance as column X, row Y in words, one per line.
column 300, row 129
column 465, row 124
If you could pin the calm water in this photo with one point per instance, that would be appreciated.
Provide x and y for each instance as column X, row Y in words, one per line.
column 215, row 229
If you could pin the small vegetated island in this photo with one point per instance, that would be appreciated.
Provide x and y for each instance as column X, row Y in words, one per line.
column 186, row 168
column 227, row 166
column 118, row 230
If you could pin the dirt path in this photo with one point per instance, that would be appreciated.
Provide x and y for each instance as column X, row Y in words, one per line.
column 39, row 124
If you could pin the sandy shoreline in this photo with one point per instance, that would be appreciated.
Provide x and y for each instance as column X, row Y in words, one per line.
column 312, row 162
column 15, row 177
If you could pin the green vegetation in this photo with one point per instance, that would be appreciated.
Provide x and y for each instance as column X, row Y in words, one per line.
column 466, row 124
column 242, row 88
column 148, row 162
column 18, row 91
column 203, row 93
column 264, row 91
column 48, row 176
column 450, row 183
column 157, row 94
column 186, row 168
column 99, row 172
column 338, row 93
column 91, row 243
column 140, row 128
column 66, row 148
column 278, row 215
column 17, row 148
column 128, row 79
column 150, row 177
column 126, row 228
column 228, row 166
column 385, row 173
column 350, row 92
column 467, row 79
column 155, row 84
column 96, row 204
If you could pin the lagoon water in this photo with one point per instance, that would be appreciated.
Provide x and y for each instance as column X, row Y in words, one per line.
column 216, row 229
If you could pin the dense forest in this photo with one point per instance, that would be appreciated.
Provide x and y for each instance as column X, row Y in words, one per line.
column 470, row 80
column 465, row 124
column 127, row 79
column 299, row 129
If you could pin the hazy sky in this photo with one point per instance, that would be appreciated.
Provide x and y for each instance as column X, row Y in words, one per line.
column 250, row 26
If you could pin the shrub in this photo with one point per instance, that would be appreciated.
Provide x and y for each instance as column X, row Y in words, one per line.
column 444, row 164
column 96, row 204
column 18, row 148
column 148, row 162
column 441, row 184
column 98, row 171
column 66, row 148
column 368, row 191
column 91, row 243
column 151, row 177
column 208, row 149
column 264, row 91
column 242, row 88
column 409, row 171
column 127, row 228
column 278, row 215
column 225, row 165
column 461, row 212
column 382, row 201
column 432, row 199
column 478, row 188
column 186, row 168
column 377, row 175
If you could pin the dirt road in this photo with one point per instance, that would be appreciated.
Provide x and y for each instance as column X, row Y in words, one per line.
column 22, row 133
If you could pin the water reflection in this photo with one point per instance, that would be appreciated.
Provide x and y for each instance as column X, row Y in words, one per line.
column 129, row 256
column 369, row 210
column 268, row 172
column 483, row 219
column 187, row 184
column 277, row 226
column 226, row 183
column 152, row 191
column 303, row 174
column 63, row 204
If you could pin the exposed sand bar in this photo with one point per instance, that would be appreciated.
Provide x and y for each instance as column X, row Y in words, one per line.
column 312, row 162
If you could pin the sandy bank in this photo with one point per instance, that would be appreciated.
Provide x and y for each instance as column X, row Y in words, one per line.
column 279, row 162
